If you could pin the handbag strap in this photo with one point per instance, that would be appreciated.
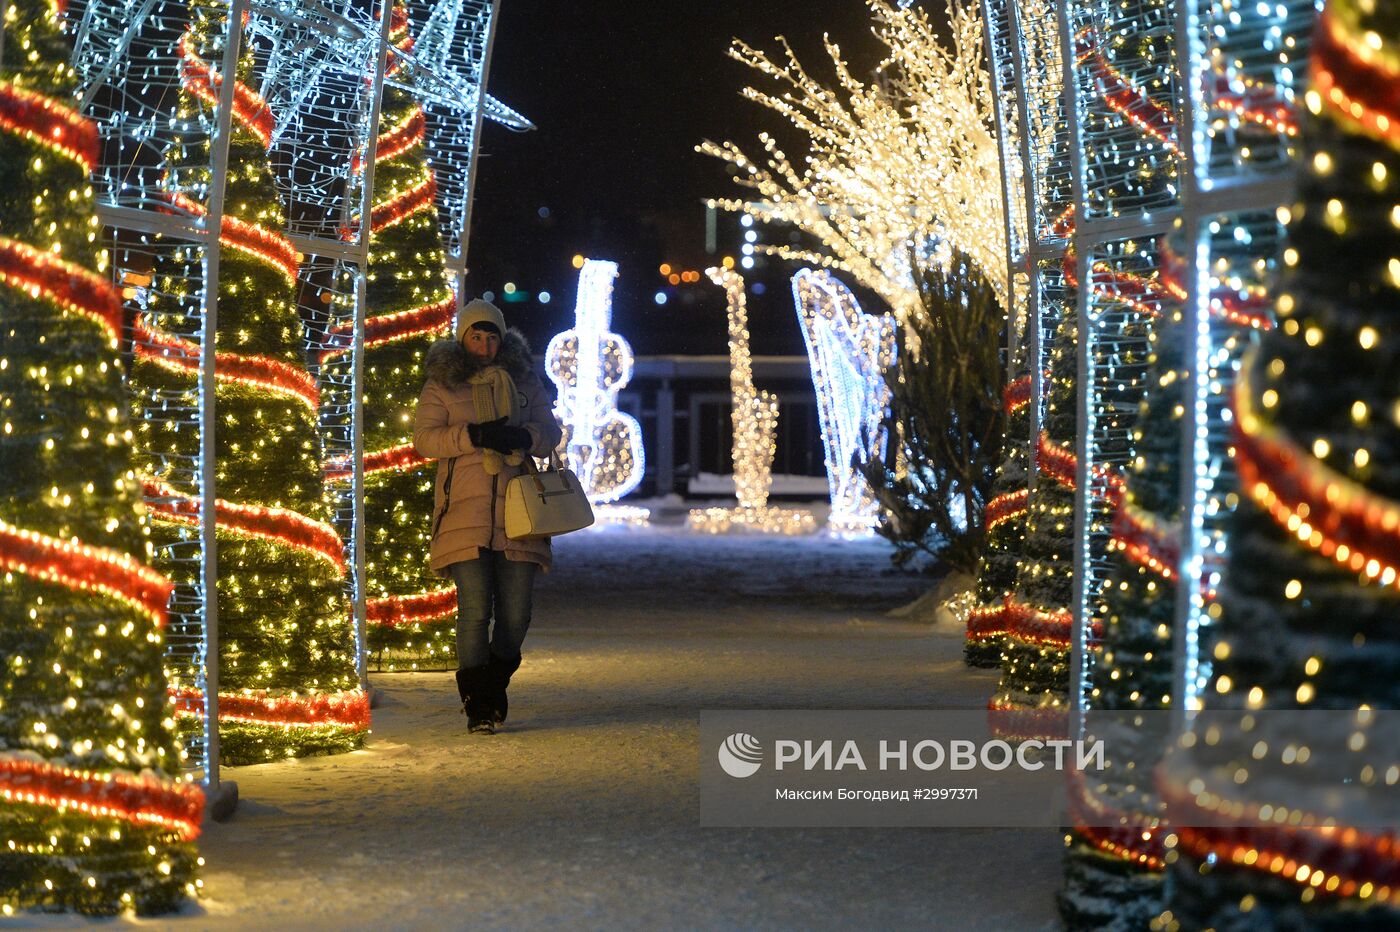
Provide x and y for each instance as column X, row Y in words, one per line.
column 534, row 468
column 534, row 471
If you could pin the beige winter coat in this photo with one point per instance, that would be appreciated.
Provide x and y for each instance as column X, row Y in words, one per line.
column 471, row 515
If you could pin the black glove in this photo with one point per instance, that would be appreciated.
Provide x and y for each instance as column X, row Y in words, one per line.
column 499, row 436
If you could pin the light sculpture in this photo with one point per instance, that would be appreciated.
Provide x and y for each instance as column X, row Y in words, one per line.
column 849, row 352
column 907, row 161
column 95, row 815
column 590, row 364
column 755, row 420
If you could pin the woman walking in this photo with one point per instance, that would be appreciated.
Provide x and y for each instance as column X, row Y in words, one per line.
column 482, row 411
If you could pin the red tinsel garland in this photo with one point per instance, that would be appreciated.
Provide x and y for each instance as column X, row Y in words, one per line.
column 987, row 621
column 278, row 524
column 1046, row 629
column 1254, row 309
column 386, row 328
column 70, row 286
column 79, row 566
column 1259, row 103
column 1354, row 856
column 1144, row 541
column 1143, row 844
column 1324, row 510
column 1141, row 293
column 143, row 799
column 181, row 355
column 1055, row 461
column 400, row 208
column 1063, row 225
column 399, row 610
column 1017, row 394
column 1131, row 102
column 1362, row 90
column 201, row 80
column 48, row 123
column 272, row 248
column 1006, row 507
column 396, row 141
column 348, row 709
column 391, row 458
column 1062, row 466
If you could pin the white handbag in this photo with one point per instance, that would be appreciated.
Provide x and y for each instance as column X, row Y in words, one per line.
column 545, row 504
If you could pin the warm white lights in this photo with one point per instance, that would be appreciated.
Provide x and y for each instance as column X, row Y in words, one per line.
column 755, row 416
column 898, row 171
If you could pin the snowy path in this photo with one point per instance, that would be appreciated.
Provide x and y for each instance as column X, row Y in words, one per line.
column 583, row 813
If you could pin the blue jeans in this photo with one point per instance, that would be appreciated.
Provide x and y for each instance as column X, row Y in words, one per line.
column 492, row 585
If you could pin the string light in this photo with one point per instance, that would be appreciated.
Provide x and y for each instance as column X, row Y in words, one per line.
column 140, row 799
column 85, row 568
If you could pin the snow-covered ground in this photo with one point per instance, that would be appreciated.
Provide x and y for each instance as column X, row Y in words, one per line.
column 583, row 812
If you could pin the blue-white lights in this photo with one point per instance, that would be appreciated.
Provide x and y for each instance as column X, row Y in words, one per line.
column 590, row 364
column 849, row 352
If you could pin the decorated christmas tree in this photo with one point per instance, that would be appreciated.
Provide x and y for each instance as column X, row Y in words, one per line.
column 1034, row 659
column 1113, row 875
column 1122, row 55
column 411, row 612
column 287, row 672
column 1309, row 602
column 95, row 816
column 1005, row 524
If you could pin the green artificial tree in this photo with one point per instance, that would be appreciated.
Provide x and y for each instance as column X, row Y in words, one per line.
column 1005, row 524
column 412, row 612
column 1113, row 877
column 1309, row 603
column 1123, row 56
column 287, row 671
column 84, row 718
column 1034, row 659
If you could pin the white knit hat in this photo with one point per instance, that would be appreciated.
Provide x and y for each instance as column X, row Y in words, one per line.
column 480, row 312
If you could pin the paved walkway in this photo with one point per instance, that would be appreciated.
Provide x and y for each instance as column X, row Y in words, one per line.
column 584, row 812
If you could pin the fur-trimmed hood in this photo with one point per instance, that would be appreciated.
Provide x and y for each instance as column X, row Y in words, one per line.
column 450, row 364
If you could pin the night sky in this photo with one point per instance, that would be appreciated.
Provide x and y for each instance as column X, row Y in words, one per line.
column 622, row 92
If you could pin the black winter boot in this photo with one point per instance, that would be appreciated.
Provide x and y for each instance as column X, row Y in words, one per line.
column 474, row 686
column 501, row 670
